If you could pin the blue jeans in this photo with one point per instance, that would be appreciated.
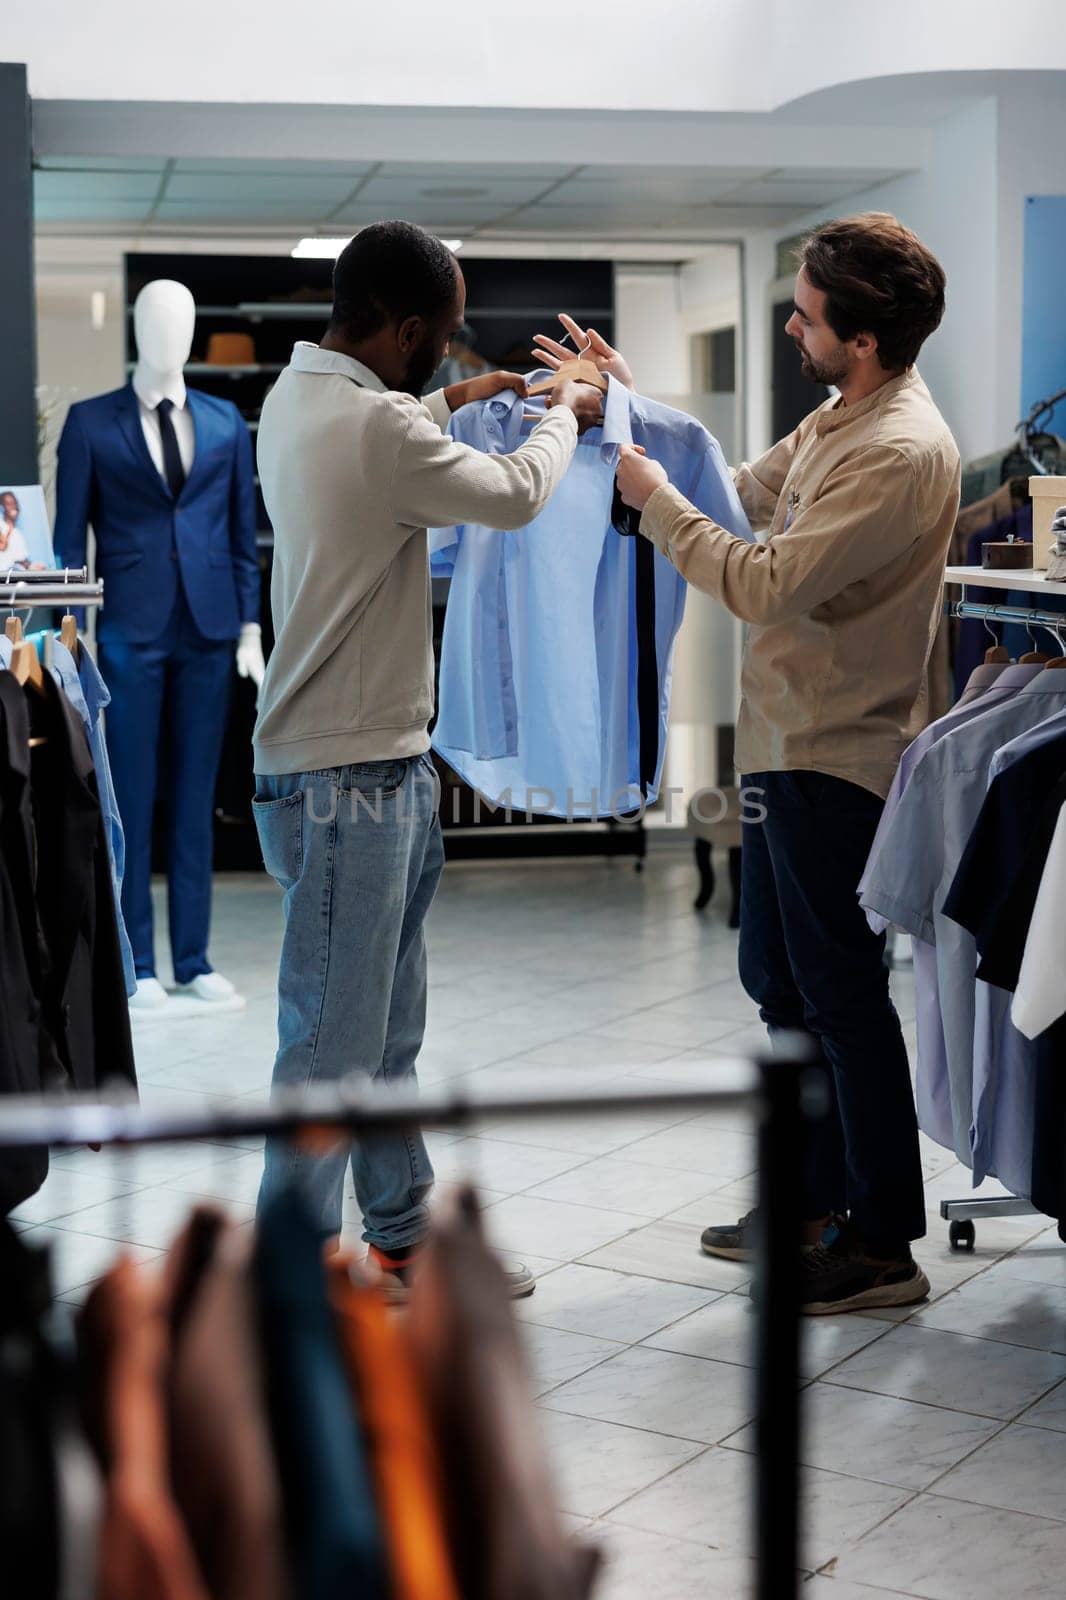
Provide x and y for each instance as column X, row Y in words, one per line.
column 358, row 852
column 811, row 963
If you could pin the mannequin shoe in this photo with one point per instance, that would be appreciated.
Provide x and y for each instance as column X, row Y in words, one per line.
column 213, row 990
column 149, row 999
column 149, row 995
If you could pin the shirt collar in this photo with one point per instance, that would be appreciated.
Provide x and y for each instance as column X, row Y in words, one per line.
column 307, row 357
column 834, row 414
column 617, row 424
column 150, row 388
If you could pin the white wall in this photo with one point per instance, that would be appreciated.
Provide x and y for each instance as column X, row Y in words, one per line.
column 954, row 207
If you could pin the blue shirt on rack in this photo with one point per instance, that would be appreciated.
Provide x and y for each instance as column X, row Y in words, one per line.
column 538, row 698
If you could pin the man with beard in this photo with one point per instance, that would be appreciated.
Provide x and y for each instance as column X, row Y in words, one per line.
column 353, row 468
column 842, row 599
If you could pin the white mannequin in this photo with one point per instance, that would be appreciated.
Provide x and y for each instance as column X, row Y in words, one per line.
column 164, row 317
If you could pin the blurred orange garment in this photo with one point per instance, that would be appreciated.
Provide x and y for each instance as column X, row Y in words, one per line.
column 144, row 1549
column 396, row 1426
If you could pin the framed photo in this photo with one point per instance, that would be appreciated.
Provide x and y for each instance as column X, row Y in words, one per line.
column 25, row 537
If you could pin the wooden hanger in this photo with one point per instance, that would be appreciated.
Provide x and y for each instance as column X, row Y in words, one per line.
column 576, row 371
column 26, row 665
column 68, row 633
column 13, row 629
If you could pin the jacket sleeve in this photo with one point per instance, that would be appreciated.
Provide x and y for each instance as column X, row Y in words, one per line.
column 759, row 483
column 438, row 482
column 242, row 527
column 865, row 517
column 74, row 480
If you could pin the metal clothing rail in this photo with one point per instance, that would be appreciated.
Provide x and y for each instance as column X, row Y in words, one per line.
column 1053, row 620
column 779, row 1092
column 25, row 594
column 47, row 575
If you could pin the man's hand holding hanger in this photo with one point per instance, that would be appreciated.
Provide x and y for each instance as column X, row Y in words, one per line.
column 589, row 345
column 638, row 478
column 582, row 399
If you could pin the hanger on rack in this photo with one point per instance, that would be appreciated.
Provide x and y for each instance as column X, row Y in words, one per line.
column 27, row 670
column 997, row 655
column 1033, row 657
column 1060, row 659
column 578, row 370
column 68, row 631
column 13, row 629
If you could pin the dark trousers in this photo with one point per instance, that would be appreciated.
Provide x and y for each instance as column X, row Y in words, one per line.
column 810, row 961
column 169, row 697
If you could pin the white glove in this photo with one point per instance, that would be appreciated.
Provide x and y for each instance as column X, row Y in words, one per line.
column 250, row 663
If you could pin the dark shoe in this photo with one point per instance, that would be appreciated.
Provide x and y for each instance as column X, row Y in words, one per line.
column 395, row 1269
column 733, row 1242
column 736, row 1242
column 841, row 1276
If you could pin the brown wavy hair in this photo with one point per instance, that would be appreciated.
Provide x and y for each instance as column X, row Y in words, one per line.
column 879, row 278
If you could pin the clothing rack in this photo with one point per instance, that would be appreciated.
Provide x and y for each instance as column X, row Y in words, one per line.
column 779, row 1092
column 1055, row 621
column 961, row 1215
column 48, row 589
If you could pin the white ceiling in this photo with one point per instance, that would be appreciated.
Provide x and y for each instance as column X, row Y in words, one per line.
column 155, row 196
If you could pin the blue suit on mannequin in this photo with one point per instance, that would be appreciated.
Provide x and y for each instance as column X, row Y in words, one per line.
column 181, row 577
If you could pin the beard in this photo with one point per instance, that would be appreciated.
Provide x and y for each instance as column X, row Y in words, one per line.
column 828, row 372
column 421, row 367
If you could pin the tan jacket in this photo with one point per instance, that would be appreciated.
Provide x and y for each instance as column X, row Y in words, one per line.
column 351, row 477
column 844, row 593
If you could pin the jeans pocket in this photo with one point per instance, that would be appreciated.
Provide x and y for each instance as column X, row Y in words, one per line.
column 370, row 778
column 280, row 825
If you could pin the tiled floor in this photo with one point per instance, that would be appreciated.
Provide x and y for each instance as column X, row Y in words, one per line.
column 935, row 1443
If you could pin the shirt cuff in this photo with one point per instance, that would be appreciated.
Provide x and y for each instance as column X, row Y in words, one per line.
column 660, row 514
column 438, row 408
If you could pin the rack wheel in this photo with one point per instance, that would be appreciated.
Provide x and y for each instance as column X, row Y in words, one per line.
column 963, row 1235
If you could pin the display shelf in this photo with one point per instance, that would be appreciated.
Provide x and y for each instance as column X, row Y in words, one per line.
column 211, row 369
column 1013, row 580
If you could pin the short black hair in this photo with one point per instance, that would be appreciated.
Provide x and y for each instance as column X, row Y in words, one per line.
column 390, row 271
column 879, row 278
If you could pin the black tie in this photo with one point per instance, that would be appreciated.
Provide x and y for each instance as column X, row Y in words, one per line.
column 173, row 470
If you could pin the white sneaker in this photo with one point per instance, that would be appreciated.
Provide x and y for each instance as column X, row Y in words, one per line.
column 148, row 998
column 214, row 991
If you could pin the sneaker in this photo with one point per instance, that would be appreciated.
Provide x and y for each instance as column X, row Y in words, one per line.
column 736, row 1242
column 840, row 1276
column 395, row 1274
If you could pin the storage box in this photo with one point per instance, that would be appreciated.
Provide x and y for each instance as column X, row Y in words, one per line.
column 1047, row 495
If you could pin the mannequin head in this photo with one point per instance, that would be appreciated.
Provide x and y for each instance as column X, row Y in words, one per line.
column 164, row 315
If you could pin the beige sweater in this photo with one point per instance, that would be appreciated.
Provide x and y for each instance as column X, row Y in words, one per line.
column 352, row 475
column 844, row 593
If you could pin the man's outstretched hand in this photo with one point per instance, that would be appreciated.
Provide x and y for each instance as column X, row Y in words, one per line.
column 553, row 354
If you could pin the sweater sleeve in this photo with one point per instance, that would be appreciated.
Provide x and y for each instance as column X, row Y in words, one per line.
column 438, row 482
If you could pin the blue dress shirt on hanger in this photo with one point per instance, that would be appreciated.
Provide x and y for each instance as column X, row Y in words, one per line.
column 538, row 698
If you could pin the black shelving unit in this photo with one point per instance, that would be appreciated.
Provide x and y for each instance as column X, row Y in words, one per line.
column 278, row 300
